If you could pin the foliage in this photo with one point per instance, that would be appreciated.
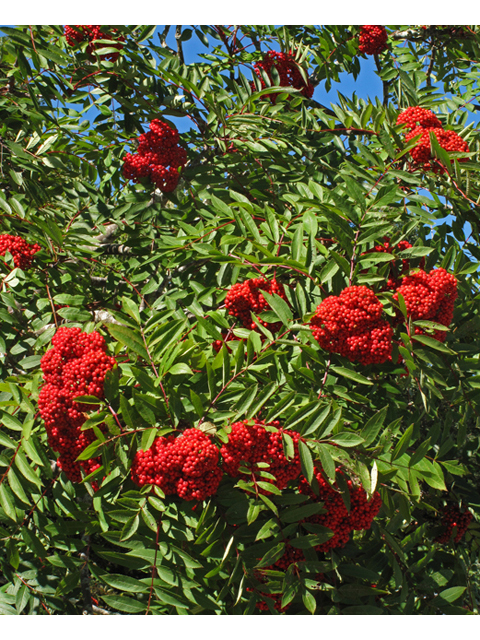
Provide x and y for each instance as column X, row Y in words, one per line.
column 276, row 186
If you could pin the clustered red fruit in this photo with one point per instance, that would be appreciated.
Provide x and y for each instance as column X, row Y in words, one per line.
column 245, row 297
column 288, row 71
column 337, row 518
column 93, row 32
column 422, row 122
column 414, row 117
column 429, row 296
column 453, row 517
column 186, row 465
column 21, row 251
column 351, row 324
column 158, row 157
column 75, row 366
column 373, row 39
column 250, row 444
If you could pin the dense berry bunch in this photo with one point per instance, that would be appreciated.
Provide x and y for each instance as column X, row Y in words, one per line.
column 429, row 296
column 249, row 444
column 448, row 140
column 158, row 157
column 454, row 518
column 373, row 39
column 75, row 366
column 414, row 117
column 422, row 122
column 186, row 465
column 337, row 518
column 288, row 71
column 245, row 297
column 352, row 325
column 92, row 33
column 21, row 251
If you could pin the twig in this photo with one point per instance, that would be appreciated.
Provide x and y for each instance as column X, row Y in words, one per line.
column 430, row 66
column 154, row 566
column 85, row 578
column 178, row 38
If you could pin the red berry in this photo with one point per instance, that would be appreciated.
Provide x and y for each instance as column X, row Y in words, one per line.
column 21, row 251
column 352, row 325
column 288, row 71
column 158, row 157
column 75, row 365
column 245, row 297
column 372, row 39
column 91, row 33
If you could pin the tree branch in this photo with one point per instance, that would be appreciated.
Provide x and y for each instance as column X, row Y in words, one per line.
column 178, row 38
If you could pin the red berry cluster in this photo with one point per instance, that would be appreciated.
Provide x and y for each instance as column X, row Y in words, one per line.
column 337, row 518
column 352, row 325
column 247, row 296
column 420, row 122
column 21, row 251
column 249, row 444
column 429, row 296
column 453, row 517
column 373, row 39
column 414, row 117
column 158, row 157
column 75, row 366
column 288, row 71
column 93, row 32
column 186, row 465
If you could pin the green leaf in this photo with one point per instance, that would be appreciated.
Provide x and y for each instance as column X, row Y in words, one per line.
column 130, row 527
column 10, row 421
column 306, row 460
column 16, row 486
column 180, row 369
column 6, row 502
column 22, row 598
column 148, row 436
column 309, row 602
column 125, row 604
column 126, row 411
column 419, row 453
column 451, row 594
column 327, row 462
column 131, row 339
column 279, row 307
column 342, row 262
column 434, row 344
column 311, row 540
column 346, row 439
column 373, row 425
column 351, row 375
column 272, row 556
column 124, row 583
column 403, row 444
column 300, row 513
column 26, row 471
column 268, row 529
column 90, row 451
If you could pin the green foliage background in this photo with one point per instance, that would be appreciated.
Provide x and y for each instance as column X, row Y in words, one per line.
column 293, row 189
